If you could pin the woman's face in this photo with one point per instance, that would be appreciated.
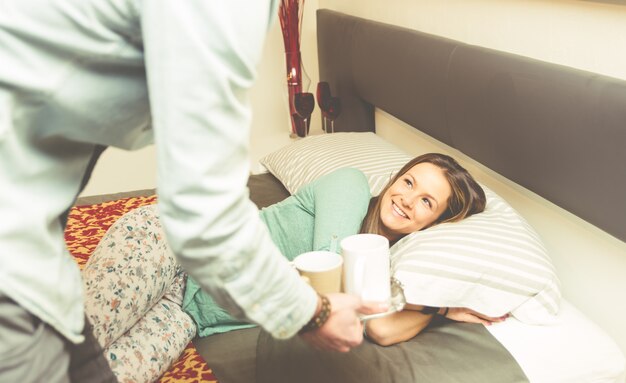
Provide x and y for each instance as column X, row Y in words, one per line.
column 414, row 201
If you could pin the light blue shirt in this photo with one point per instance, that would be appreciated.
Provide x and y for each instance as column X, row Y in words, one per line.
column 125, row 73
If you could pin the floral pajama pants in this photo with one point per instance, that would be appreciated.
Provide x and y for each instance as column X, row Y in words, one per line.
column 133, row 296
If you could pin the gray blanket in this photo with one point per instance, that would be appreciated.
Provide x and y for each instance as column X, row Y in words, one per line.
column 445, row 352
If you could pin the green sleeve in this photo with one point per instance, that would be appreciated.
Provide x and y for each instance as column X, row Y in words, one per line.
column 339, row 201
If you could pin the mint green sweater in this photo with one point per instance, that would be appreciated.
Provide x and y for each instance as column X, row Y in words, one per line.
column 332, row 206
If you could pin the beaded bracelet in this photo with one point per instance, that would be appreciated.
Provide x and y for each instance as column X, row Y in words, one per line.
column 321, row 317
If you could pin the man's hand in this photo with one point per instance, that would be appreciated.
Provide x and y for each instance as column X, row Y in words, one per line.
column 343, row 329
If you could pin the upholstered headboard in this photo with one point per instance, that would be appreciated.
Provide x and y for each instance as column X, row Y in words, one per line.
column 557, row 131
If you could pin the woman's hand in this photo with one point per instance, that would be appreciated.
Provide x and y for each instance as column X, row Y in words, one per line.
column 462, row 314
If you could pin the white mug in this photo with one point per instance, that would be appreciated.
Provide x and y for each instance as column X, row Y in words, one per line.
column 366, row 267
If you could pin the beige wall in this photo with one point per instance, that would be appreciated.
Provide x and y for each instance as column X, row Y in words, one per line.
column 582, row 34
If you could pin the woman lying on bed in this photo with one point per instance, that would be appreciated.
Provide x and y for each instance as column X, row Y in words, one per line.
column 428, row 190
column 134, row 288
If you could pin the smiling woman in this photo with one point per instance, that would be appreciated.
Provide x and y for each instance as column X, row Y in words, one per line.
column 430, row 189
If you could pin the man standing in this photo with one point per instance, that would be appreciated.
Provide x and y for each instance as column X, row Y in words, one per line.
column 76, row 75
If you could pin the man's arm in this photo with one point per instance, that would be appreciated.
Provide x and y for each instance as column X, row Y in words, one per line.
column 200, row 61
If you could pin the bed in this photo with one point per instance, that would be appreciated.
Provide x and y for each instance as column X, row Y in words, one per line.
column 571, row 119
column 465, row 352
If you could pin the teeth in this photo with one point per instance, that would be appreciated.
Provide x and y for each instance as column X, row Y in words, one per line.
column 397, row 209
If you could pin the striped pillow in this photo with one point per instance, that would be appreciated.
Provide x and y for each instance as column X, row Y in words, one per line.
column 307, row 159
column 492, row 262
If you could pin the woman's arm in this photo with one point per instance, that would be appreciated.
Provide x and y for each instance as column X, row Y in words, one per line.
column 406, row 324
column 398, row 327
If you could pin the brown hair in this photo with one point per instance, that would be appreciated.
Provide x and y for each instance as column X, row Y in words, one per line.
column 467, row 196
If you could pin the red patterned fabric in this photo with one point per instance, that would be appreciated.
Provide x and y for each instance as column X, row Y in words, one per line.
column 86, row 225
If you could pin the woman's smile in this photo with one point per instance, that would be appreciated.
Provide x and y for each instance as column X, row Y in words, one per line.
column 399, row 211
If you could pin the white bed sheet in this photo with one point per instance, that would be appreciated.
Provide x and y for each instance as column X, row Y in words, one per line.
column 572, row 350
